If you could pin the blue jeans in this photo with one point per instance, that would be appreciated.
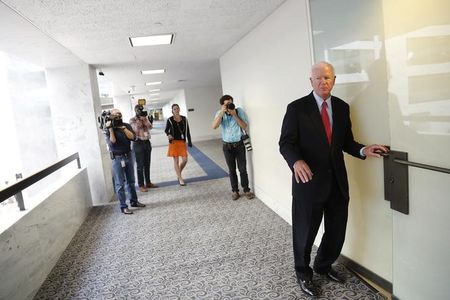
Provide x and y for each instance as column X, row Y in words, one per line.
column 124, row 179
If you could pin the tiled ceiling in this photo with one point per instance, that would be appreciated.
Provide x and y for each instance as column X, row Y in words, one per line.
column 97, row 31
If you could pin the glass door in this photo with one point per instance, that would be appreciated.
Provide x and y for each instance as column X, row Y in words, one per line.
column 418, row 60
column 392, row 61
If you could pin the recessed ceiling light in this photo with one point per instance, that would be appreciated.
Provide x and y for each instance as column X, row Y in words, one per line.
column 153, row 83
column 154, row 99
column 154, row 90
column 152, row 40
column 148, row 72
column 154, row 94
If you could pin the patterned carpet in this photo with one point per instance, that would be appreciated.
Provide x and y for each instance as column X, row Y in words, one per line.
column 190, row 242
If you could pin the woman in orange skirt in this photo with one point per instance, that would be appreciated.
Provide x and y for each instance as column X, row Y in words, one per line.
column 177, row 130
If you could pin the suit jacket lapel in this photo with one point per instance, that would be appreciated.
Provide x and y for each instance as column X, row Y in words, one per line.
column 316, row 118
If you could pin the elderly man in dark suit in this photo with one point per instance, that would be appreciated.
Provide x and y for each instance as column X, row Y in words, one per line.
column 316, row 130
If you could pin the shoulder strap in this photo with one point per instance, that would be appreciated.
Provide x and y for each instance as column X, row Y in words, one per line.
column 242, row 130
column 171, row 126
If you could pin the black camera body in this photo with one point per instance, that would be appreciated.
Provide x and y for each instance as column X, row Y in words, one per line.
column 140, row 111
column 103, row 118
column 231, row 106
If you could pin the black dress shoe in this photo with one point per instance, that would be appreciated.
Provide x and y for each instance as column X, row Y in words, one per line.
column 138, row 204
column 334, row 276
column 308, row 287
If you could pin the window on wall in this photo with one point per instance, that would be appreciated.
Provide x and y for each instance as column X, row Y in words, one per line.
column 28, row 141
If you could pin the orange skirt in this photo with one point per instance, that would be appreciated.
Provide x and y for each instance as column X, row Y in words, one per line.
column 177, row 148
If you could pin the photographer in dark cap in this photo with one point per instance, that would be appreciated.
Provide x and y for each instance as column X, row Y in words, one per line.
column 233, row 121
column 119, row 135
column 142, row 147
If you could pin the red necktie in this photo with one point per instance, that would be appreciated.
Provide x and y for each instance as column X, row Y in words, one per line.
column 326, row 121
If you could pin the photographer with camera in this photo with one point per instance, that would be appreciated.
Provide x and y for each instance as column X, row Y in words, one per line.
column 142, row 147
column 119, row 135
column 233, row 121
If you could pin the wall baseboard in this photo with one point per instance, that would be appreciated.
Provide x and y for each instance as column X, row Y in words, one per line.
column 274, row 205
column 363, row 271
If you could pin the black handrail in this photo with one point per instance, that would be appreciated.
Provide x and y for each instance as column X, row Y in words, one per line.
column 422, row 166
column 417, row 165
column 18, row 187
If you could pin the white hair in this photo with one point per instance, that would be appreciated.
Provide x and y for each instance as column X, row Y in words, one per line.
column 321, row 64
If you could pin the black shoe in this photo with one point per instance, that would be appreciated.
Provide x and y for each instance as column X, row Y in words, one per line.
column 126, row 211
column 138, row 204
column 334, row 276
column 307, row 287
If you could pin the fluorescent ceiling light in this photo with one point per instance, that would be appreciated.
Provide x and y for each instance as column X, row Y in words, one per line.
column 154, row 94
column 153, row 83
column 148, row 72
column 154, row 90
column 154, row 99
column 152, row 40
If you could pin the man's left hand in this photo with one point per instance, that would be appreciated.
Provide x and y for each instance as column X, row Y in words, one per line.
column 374, row 150
column 232, row 112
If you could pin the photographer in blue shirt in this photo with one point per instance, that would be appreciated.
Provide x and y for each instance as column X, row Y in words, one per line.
column 233, row 121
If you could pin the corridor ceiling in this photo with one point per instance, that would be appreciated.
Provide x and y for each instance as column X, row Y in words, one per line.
column 98, row 31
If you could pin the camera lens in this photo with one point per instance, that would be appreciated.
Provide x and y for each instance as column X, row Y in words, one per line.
column 231, row 106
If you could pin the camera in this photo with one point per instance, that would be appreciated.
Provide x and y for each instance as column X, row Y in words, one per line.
column 231, row 106
column 246, row 140
column 140, row 111
column 105, row 117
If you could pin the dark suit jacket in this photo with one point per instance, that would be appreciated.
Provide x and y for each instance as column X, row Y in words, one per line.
column 303, row 137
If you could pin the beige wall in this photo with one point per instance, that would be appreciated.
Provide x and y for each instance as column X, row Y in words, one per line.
column 265, row 71
column 265, row 81
column 398, row 91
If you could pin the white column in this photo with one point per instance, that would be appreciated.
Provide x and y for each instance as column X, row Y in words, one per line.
column 74, row 114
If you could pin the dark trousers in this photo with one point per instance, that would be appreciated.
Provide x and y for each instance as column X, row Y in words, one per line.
column 306, row 218
column 143, row 152
column 235, row 152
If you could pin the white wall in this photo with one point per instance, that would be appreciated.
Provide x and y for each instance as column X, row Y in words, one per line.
column 32, row 246
column 74, row 122
column 103, row 150
column 25, row 110
column 264, row 72
column 205, row 102
column 123, row 103
column 179, row 99
column 263, row 77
